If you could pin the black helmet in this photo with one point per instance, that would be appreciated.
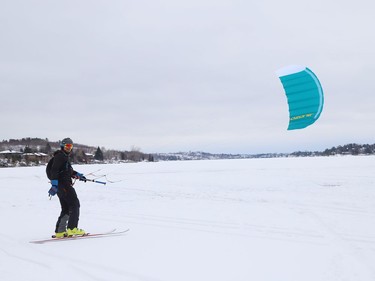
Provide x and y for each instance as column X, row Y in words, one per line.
column 66, row 141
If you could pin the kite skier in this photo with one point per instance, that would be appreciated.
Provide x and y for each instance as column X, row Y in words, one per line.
column 60, row 172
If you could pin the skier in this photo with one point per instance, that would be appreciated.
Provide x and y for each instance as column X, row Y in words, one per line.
column 62, row 185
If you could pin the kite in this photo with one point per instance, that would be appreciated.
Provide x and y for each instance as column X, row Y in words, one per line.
column 304, row 94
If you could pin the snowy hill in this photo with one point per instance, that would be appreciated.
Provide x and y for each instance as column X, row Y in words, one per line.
column 280, row 219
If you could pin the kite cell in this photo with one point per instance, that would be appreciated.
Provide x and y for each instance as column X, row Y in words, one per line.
column 304, row 94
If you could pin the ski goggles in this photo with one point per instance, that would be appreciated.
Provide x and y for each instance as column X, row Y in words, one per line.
column 68, row 146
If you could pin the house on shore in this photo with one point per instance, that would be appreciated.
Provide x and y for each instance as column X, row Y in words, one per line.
column 9, row 158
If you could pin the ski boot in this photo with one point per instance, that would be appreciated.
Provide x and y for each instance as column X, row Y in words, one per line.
column 75, row 232
column 60, row 234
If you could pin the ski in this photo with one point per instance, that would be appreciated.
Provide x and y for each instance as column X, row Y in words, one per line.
column 112, row 232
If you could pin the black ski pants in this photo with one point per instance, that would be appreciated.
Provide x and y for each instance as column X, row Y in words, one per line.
column 69, row 215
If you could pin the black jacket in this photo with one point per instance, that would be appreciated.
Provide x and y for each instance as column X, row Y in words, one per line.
column 62, row 169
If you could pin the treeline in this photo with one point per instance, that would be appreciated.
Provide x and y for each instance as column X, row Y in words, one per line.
column 88, row 154
column 347, row 149
column 351, row 149
column 80, row 154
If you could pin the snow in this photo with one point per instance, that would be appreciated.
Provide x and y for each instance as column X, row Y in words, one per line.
column 284, row 219
column 10, row 152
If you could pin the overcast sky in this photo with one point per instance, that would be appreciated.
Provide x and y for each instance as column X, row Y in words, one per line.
column 169, row 75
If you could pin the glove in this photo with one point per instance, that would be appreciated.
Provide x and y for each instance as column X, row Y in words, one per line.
column 53, row 190
column 81, row 177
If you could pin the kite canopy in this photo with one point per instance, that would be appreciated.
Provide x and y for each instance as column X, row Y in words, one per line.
column 304, row 94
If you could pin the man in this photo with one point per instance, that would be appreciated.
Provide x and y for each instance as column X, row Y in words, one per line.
column 62, row 185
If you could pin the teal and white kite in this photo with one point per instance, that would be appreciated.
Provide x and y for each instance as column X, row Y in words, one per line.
column 304, row 94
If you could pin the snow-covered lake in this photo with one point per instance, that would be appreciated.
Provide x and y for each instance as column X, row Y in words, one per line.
column 286, row 219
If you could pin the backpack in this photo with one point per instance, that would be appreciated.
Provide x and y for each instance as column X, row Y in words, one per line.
column 49, row 168
column 50, row 164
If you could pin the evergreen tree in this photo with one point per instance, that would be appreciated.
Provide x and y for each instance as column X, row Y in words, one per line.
column 48, row 148
column 99, row 154
column 123, row 156
column 27, row 150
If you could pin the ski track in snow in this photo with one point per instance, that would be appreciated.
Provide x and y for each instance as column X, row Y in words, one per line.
column 305, row 218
